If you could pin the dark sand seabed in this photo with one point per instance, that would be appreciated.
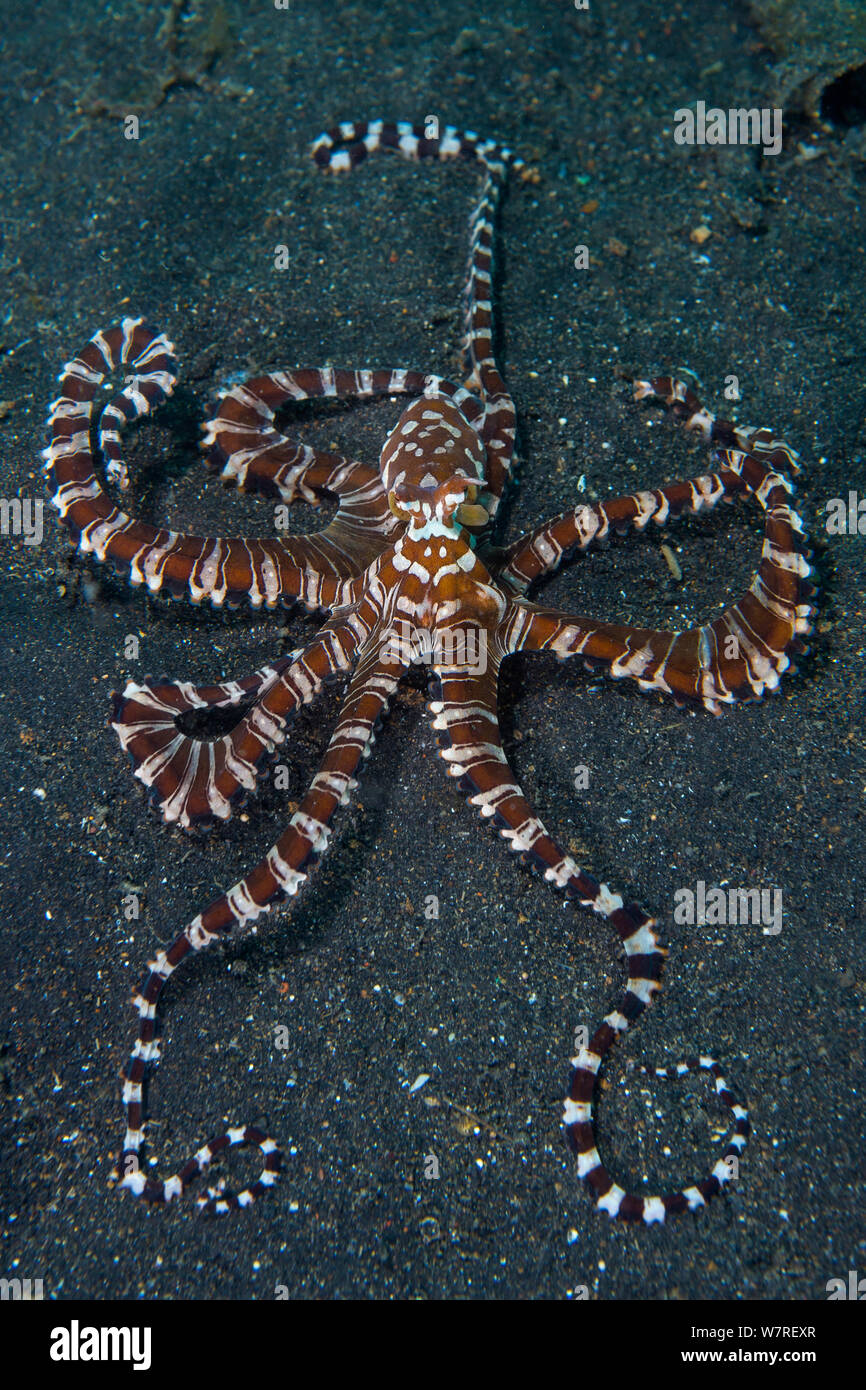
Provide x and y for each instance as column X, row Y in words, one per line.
column 181, row 226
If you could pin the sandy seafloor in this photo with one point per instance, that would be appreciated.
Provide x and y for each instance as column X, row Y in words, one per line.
column 181, row 226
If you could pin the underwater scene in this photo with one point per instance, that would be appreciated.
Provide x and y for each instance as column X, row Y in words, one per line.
column 433, row 515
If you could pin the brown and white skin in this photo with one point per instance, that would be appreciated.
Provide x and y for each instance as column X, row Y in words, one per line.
column 406, row 568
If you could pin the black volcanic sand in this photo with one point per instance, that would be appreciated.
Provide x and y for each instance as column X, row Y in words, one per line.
column 181, row 225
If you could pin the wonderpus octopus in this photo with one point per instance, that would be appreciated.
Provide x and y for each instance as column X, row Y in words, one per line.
column 406, row 570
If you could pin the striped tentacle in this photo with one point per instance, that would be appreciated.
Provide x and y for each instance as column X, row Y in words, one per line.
column 68, row 459
column 279, row 876
column 741, row 654
column 465, row 715
column 722, row 434
column 252, row 455
column 347, row 146
column 542, row 551
column 266, row 571
column 194, row 780
column 139, row 397
column 500, row 422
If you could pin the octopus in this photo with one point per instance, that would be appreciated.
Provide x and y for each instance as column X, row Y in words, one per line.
column 407, row 571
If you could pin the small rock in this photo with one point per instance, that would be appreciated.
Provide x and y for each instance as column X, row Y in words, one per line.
column 428, row 1229
column 467, row 41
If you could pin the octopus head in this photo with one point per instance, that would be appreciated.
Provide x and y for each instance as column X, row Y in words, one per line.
column 432, row 467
